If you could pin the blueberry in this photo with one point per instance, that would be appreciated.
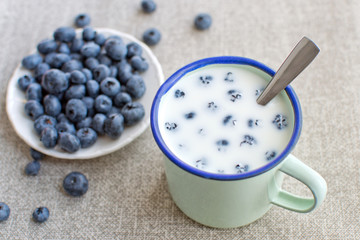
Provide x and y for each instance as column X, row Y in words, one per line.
column 76, row 45
column 139, row 64
column 136, row 87
column 170, row 126
column 90, row 49
column 87, row 137
column 133, row 49
column 148, row 6
column 258, row 92
column 34, row 92
column 248, row 140
column 190, row 115
column 25, row 81
column 47, row 46
column 206, row 79
column 52, row 105
column 104, row 59
column 82, row 20
column 89, row 103
column 85, row 123
column 54, row 81
column 252, row 122
column 49, row 137
column 75, row 91
column 103, row 103
column 113, row 110
column 87, row 73
column 43, row 122
column 113, row 71
column 4, row 211
column 32, row 168
column 100, row 39
column 62, row 127
column 98, row 123
column 41, row 214
column 114, row 125
column 201, row 163
column 270, row 155
column 234, row 95
column 40, row 70
column 91, row 63
column 151, row 36
column 33, row 109
column 88, row 34
column 101, row 72
column 31, row 61
column 241, row 168
column 124, row 72
column 229, row 77
column 280, row 121
column 222, row 144
column 212, row 106
column 92, row 88
column 62, row 118
column 115, row 49
column 121, row 99
column 75, row 184
column 179, row 93
column 36, row 155
column 133, row 112
column 64, row 34
column 75, row 110
column 69, row 142
column 77, row 77
column 110, row 86
column 203, row 21
column 57, row 60
column 227, row 120
column 71, row 65
column 63, row 48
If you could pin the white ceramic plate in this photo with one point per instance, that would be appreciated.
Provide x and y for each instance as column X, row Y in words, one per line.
column 23, row 125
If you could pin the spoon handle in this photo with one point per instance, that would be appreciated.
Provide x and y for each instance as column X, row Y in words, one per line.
column 299, row 58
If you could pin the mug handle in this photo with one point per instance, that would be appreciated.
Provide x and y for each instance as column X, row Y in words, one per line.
column 298, row 170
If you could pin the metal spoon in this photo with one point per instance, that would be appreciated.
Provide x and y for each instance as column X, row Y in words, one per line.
column 299, row 58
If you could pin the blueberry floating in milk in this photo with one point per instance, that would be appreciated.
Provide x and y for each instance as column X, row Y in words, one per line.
column 170, row 126
column 201, row 163
column 248, row 140
column 229, row 77
column 229, row 120
column 190, row 115
column 234, row 95
column 212, row 106
column 270, row 155
column 222, row 144
column 253, row 123
column 205, row 79
column 241, row 168
column 280, row 121
column 179, row 93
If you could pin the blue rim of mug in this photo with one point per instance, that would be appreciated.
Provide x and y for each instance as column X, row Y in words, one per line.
column 166, row 86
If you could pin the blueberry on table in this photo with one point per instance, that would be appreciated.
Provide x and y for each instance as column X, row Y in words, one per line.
column 75, row 91
column 34, row 92
column 152, row 36
column 90, row 49
column 25, row 81
column 56, row 60
column 121, row 99
column 133, row 112
column 148, row 6
column 98, row 123
column 115, row 49
column 36, row 155
column 103, row 103
column 49, row 137
column 85, row 123
column 82, row 20
column 62, row 127
column 69, row 142
column 30, row 62
column 124, row 72
column 139, row 64
column 203, row 21
column 135, row 86
column 133, row 49
column 63, row 48
column 87, row 137
column 87, row 73
column 92, row 88
column 76, row 45
column 104, row 59
column 75, row 184
column 100, row 39
column 77, row 77
column 33, row 109
column 280, row 121
column 54, row 81
column 71, row 65
column 41, row 214
column 91, row 63
column 32, row 168
column 88, row 34
column 52, row 105
column 75, row 110
column 43, row 122
column 4, row 211
column 64, row 34
column 110, row 86
column 47, row 46
column 114, row 125
column 40, row 70
column 101, row 72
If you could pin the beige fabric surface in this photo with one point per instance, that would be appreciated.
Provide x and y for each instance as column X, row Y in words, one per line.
column 128, row 196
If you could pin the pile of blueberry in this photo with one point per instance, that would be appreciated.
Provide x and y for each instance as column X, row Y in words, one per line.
column 83, row 87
